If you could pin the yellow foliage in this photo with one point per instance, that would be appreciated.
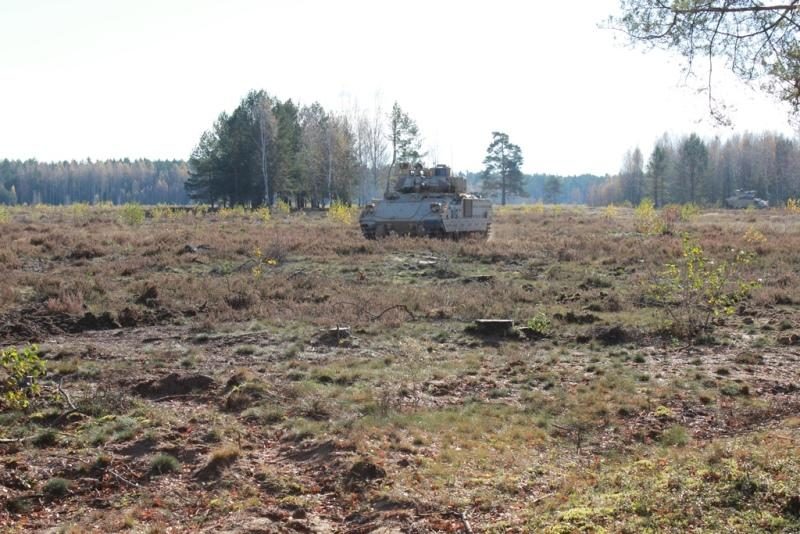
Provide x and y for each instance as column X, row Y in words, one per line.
column 260, row 262
column 282, row 207
column 793, row 205
column 611, row 211
column 537, row 208
column 162, row 211
column 689, row 211
column 235, row 211
column 132, row 213
column 21, row 369
column 341, row 213
column 263, row 214
column 5, row 215
column 754, row 237
column 79, row 210
column 646, row 219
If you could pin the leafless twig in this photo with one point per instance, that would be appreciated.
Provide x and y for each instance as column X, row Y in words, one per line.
column 66, row 396
column 395, row 307
column 123, row 479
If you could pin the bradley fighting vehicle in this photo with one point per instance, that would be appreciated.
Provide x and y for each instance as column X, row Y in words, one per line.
column 745, row 199
column 427, row 202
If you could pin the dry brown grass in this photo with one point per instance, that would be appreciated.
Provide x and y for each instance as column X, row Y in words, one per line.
column 506, row 430
column 330, row 273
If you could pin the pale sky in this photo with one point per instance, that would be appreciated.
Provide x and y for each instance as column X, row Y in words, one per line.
column 113, row 79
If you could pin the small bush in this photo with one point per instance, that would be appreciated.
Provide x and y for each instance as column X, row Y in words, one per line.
column 234, row 211
column 263, row 214
column 689, row 211
column 696, row 289
column 282, row 207
column 754, row 237
column 69, row 302
column 646, row 219
column 264, row 415
column 5, row 215
column 132, row 214
column 540, row 324
column 164, row 463
column 221, row 458
column 670, row 215
column 273, row 256
column 341, row 213
column 114, row 429
column 793, row 205
column 79, row 211
column 46, row 438
column 101, row 462
column 675, row 436
column 56, row 487
column 200, row 210
column 162, row 211
column 19, row 372
column 663, row 412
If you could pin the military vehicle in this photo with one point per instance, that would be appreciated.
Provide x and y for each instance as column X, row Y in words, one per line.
column 427, row 202
column 745, row 199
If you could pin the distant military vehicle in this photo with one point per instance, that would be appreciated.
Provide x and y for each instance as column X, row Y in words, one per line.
column 427, row 202
column 745, row 199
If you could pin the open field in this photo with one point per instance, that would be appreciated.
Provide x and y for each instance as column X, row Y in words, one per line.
column 194, row 385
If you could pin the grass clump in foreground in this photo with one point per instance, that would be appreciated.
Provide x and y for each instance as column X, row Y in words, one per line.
column 164, row 463
column 56, row 487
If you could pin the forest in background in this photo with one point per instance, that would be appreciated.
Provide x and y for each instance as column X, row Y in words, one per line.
column 686, row 169
column 118, row 181
column 705, row 172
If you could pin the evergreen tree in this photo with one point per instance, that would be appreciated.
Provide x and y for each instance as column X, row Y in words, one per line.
column 552, row 189
column 657, row 171
column 692, row 163
column 502, row 168
column 288, row 142
column 204, row 183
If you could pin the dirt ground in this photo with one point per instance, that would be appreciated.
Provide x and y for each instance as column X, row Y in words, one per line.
column 226, row 373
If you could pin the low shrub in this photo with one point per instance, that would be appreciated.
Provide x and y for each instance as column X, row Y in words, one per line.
column 19, row 374
column 696, row 289
column 341, row 213
column 132, row 214
column 56, row 487
column 675, row 436
column 540, row 324
column 164, row 463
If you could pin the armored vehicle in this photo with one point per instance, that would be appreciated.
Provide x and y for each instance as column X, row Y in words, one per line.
column 427, row 202
column 745, row 199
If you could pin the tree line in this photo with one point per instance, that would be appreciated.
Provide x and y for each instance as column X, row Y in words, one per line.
column 691, row 169
column 118, row 181
column 320, row 156
column 268, row 150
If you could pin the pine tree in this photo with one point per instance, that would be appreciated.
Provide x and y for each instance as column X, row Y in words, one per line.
column 657, row 171
column 502, row 168
column 692, row 164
